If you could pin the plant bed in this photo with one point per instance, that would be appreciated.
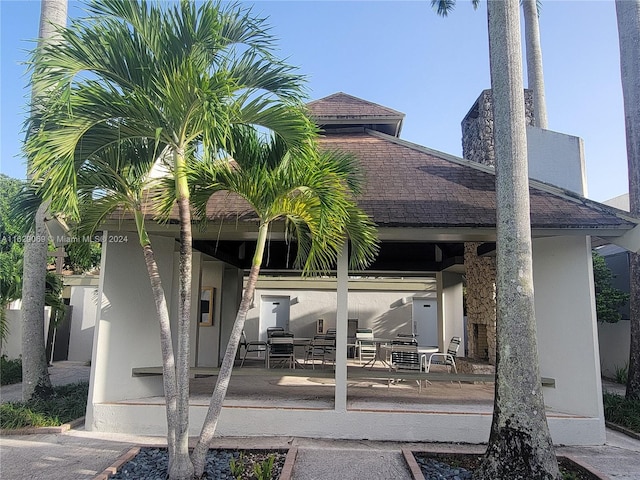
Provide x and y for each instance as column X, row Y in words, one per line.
column 150, row 463
column 460, row 466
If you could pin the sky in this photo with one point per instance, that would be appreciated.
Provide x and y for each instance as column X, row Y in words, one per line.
column 400, row 54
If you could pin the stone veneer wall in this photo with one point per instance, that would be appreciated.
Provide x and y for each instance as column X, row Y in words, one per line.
column 477, row 128
column 481, row 299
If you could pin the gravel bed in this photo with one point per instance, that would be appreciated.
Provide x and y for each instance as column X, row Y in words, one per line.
column 433, row 469
column 151, row 464
column 451, row 466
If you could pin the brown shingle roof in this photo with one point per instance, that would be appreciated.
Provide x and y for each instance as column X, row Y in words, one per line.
column 408, row 186
column 341, row 105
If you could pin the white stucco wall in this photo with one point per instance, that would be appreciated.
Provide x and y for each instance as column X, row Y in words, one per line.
column 12, row 347
column 209, row 336
column 566, row 320
column 557, row 158
column 127, row 333
column 614, row 346
column 387, row 313
column 84, row 300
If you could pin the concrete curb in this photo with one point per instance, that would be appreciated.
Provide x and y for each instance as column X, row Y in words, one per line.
column 41, row 430
column 287, row 469
column 621, row 429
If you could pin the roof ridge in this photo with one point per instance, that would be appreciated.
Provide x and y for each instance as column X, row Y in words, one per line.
column 536, row 184
column 361, row 100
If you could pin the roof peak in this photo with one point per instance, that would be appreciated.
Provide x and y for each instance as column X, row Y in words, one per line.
column 341, row 110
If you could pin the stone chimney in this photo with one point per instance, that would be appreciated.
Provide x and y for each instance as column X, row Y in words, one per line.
column 477, row 128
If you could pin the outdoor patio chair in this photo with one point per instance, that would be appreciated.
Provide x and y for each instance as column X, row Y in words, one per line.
column 281, row 349
column 256, row 346
column 323, row 347
column 447, row 359
column 272, row 330
column 405, row 357
column 365, row 345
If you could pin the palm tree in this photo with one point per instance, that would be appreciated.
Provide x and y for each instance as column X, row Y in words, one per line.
column 628, row 14
column 520, row 445
column 119, row 179
column 535, row 77
column 313, row 193
column 178, row 74
column 35, row 374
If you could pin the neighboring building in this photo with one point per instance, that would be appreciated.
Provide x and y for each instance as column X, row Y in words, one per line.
column 615, row 338
column 436, row 218
column 73, row 339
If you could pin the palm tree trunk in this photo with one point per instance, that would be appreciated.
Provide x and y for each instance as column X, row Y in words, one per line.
column 628, row 14
column 535, row 77
column 181, row 467
column 519, row 444
column 222, row 384
column 35, row 375
column 166, row 344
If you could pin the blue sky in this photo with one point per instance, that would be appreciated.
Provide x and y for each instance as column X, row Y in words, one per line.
column 402, row 55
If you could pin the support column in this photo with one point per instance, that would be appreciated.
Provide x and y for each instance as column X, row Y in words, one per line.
column 342, row 312
column 100, row 345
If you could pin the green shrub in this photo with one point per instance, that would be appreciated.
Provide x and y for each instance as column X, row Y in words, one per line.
column 264, row 469
column 65, row 404
column 621, row 411
column 622, row 373
column 10, row 370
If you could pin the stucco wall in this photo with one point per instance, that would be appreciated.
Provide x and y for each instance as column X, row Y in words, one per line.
column 556, row 158
column 12, row 347
column 84, row 300
column 209, row 336
column 566, row 321
column 387, row 313
column 127, row 333
column 614, row 346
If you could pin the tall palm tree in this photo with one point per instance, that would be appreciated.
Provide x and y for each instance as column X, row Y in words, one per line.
column 628, row 15
column 535, row 76
column 35, row 374
column 313, row 193
column 520, row 445
column 179, row 74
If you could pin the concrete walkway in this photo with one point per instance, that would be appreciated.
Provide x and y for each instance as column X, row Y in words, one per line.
column 78, row 454
column 61, row 373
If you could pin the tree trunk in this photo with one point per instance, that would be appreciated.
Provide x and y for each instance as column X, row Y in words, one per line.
column 628, row 14
column 166, row 344
column 181, row 467
column 535, row 77
column 520, row 445
column 35, row 373
column 222, row 384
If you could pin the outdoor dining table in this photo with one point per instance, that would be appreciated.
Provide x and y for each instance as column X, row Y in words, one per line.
column 378, row 357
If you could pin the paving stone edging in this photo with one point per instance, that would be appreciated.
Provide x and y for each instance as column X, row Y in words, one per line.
column 416, row 472
column 621, row 429
column 287, row 469
column 41, row 430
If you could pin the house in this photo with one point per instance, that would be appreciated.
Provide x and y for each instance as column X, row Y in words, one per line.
column 436, row 218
